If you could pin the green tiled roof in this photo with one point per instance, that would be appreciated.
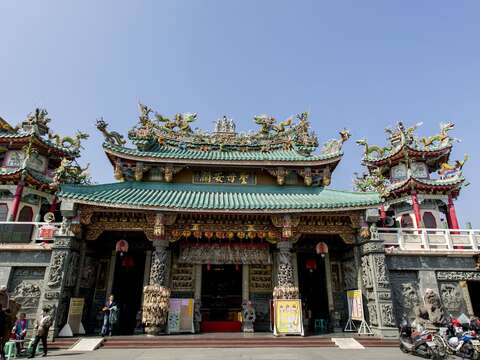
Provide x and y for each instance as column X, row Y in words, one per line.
column 164, row 152
column 454, row 180
column 216, row 197
column 23, row 134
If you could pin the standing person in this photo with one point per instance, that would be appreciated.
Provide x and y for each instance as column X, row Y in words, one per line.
column 20, row 330
column 3, row 332
column 110, row 316
column 42, row 326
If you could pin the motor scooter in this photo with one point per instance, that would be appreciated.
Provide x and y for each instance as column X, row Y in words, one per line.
column 418, row 343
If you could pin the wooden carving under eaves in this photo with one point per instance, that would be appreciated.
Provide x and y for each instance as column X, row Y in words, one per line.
column 169, row 171
column 280, row 173
column 307, row 175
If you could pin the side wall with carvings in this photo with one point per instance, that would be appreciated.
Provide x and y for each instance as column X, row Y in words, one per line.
column 411, row 275
column 23, row 273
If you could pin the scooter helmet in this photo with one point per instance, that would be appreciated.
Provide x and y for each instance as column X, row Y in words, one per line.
column 453, row 341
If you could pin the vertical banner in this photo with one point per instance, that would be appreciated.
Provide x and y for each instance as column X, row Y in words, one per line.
column 288, row 317
column 180, row 316
column 355, row 305
column 75, row 312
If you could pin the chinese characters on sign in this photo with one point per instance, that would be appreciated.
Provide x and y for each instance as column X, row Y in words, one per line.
column 288, row 317
column 223, row 177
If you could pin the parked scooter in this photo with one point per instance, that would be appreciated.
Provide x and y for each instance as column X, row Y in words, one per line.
column 461, row 342
column 418, row 343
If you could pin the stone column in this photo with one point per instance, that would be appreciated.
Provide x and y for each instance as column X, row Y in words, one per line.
column 377, row 289
column 285, row 288
column 60, row 279
column 156, row 295
column 245, row 282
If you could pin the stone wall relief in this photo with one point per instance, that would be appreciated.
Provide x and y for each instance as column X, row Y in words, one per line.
column 366, row 274
column 452, row 297
column 349, row 275
column 56, row 269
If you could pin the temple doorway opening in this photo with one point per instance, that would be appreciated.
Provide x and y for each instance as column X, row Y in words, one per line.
column 221, row 297
column 313, row 288
column 127, row 289
column 474, row 292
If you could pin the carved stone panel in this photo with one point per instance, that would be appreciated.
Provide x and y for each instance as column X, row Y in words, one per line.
column 372, row 313
column 25, row 287
column 406, row 295
column 458, row 275
column 349, row 275
column 56, row 269
column 452, row 298
column 387, row 314
column 366, row 272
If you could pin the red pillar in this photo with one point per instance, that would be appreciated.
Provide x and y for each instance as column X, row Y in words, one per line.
column 452, row 214
column 53, row 205
column 416, row 210
column 383, row 216
column 16, row 202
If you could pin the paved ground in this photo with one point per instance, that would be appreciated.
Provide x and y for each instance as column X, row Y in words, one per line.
column 233, row 354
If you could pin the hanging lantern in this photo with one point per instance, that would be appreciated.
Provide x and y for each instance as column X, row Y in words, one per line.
column 128, row 262
column 121, row 246
column 251, row 235
column 197, row 234
column 208, row 234
column 220, row 235
column 186, row 233
column 311, row 265
column 321, row 249
column 241, row 235
column 230, row 235
column 261, row 234
column 176, row 233
column 237, row 267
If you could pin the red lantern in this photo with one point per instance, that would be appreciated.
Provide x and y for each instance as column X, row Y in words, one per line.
column 311, row 265
column 128, row 262
column 321, row 249
column 121, row 246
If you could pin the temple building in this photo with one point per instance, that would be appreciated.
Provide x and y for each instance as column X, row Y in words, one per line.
column 225, row 217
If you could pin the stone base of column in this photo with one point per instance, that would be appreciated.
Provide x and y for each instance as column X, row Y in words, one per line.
column 155, row 308
column 286, row 292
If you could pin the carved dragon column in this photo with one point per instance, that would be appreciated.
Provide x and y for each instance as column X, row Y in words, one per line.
column 157, row 294
column 376, row 286
column 61, row 277
column 285, row 287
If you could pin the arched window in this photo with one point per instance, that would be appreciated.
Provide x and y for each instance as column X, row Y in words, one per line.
column 429, row 220
column 3, row 212
column 26, row 214
column 406, row 221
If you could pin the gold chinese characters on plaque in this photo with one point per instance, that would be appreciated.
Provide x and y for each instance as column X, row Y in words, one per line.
column 260, row 278
column 224, row 177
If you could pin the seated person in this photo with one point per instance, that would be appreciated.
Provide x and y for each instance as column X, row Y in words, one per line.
column 20, row 330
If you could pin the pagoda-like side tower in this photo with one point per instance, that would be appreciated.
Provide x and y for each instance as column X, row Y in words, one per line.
column 413, row 176
column 34, row 161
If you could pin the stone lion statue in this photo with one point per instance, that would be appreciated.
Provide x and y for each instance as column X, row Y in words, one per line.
column 431, row 312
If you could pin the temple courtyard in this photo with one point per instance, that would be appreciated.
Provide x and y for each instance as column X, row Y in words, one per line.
column 234, row 353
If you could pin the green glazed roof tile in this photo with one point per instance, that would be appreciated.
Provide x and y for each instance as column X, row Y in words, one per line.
column 216, row 197
column 164, row 152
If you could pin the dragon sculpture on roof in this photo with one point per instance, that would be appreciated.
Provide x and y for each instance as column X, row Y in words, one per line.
column 294, row 133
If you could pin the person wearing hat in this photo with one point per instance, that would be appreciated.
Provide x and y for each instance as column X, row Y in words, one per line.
column 42, row 326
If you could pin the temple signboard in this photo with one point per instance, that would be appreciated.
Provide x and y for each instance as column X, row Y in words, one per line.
column 224, row 177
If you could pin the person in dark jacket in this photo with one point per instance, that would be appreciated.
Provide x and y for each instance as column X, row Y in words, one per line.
column 3, row 332
column 110, row 316
column 42, row 326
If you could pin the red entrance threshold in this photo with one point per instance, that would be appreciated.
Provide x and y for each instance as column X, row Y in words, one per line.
column 221, row 326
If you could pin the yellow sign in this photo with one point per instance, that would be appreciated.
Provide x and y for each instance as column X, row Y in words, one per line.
column 75, row 314
column 288, row 317
column 355, row 304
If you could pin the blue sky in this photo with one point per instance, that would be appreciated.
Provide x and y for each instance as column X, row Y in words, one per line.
column 358, row 64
